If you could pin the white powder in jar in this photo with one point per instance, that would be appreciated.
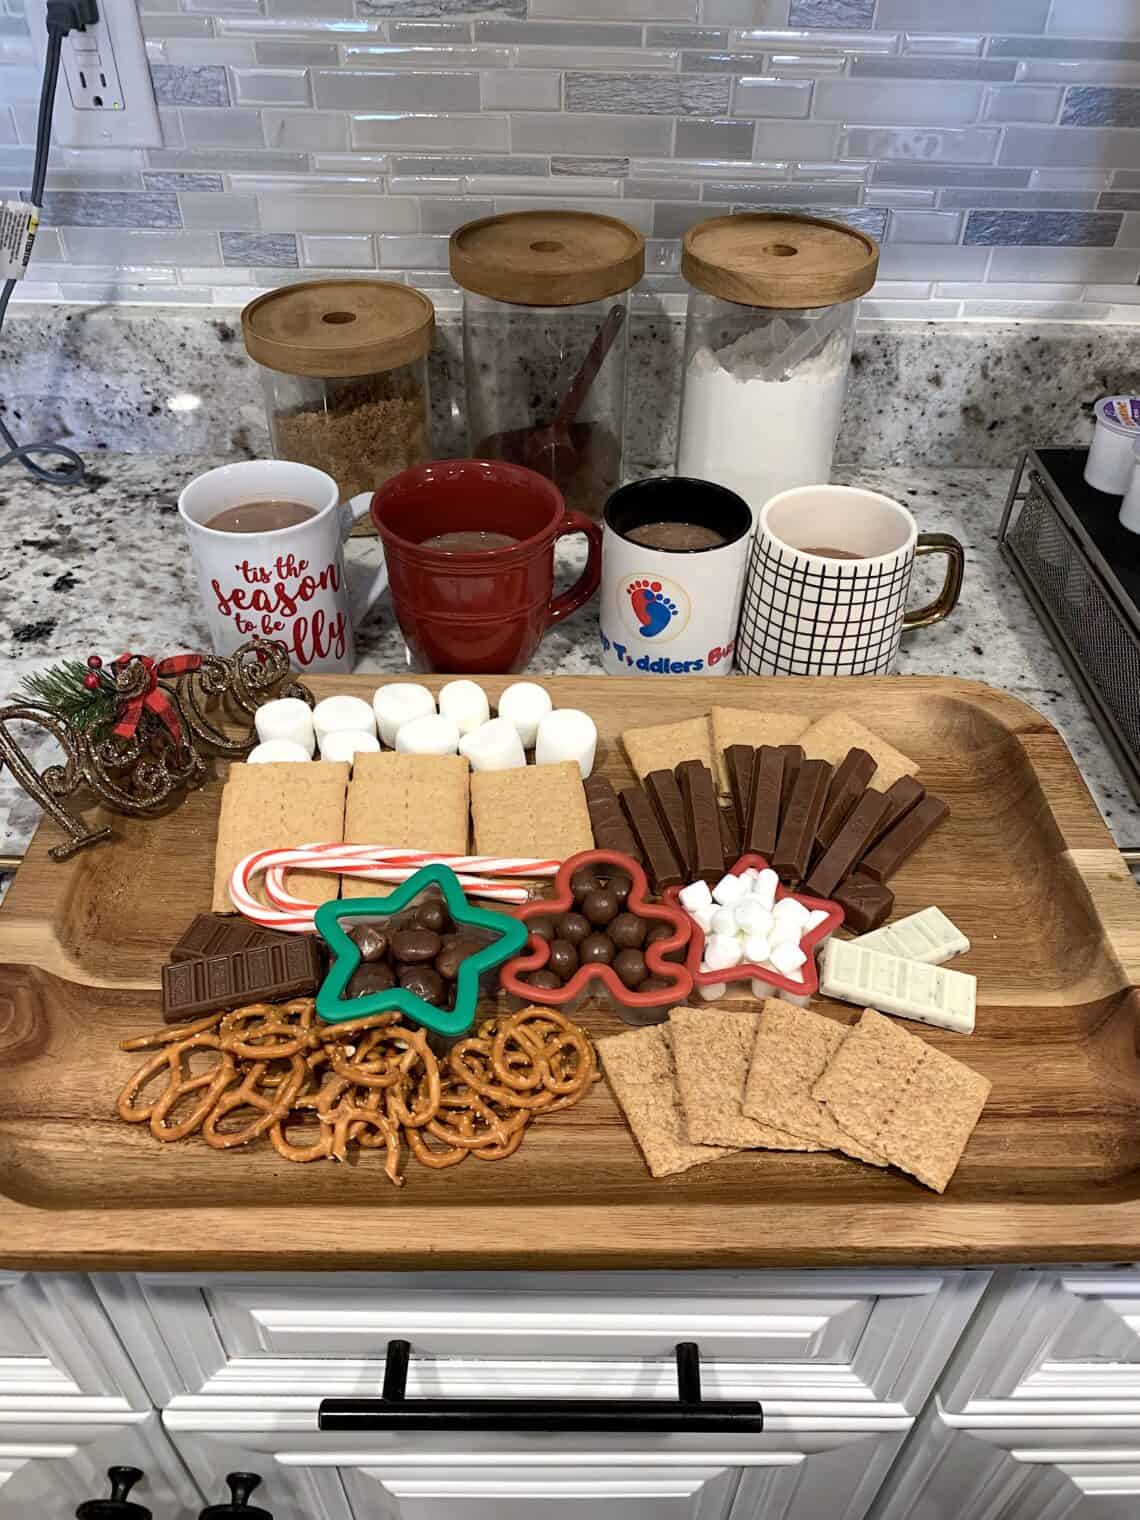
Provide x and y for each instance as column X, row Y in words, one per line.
column 745, row 427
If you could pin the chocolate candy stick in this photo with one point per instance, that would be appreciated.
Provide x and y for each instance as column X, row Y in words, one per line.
column 264, row 974
column 661, row 865
column 866, row 904
column 729, row 837
column 905, row 794
column 665, row 795
column 609, row 824
column 739, row 760
column 702, row 821
column 801, row 819
column 851, row 779
column 851, row 841
column 763, row 825
column 793, row 759
column 221, row 934
column 900, row 843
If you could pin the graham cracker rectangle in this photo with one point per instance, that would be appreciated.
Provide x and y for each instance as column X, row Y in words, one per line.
column 896, row 1093
column 536, row 810
column 420, row 801
column 267, row 807
column 793, row 1049
column 665, row 745
column 712, row 1052
column 755, row 726
column 837, row 732
column 639, row 1068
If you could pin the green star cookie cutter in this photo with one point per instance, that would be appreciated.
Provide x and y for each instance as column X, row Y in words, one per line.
column 332, row 1005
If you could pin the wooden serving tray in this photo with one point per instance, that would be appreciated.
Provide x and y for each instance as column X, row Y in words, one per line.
column 1025, row 866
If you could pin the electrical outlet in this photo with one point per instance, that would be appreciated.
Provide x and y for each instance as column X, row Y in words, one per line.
column 105, row 98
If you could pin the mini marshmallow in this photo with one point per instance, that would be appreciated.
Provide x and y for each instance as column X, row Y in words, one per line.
column 398, row 704
column 790, row 911
column 724, row 921
column 567, row 734
column 764, row 887
column 343, row 746
column 721, row 952
column 275, row 750
column 787, row 959
column 785, row 931
column 816, row 917
column 751, row 918
column 704, row 916
column 465, row 702
column 493, row 746
column 695, row 895
column 712, row 990
column 343, row 714
column 432, row 734
column 523, row 705
column 756, row 950
column 729, row 889
column 286, row 718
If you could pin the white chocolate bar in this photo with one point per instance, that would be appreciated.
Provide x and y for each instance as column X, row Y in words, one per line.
column 928, row 936
column 911, row 989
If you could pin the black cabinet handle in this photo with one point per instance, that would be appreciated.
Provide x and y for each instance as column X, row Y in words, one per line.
column 688, row 1414
column 241, row 1485
column 118, row 1506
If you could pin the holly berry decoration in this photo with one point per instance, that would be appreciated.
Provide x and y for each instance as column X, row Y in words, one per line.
column 80, row 691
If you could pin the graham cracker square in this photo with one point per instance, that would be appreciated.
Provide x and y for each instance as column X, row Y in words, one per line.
column 837, row 732
column 536, row 810
column 419, row 801
column 266, row 807
column 639, row 1068
column 755, row 726
column 663, row 746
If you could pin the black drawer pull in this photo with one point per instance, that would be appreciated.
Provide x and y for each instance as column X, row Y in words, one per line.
column 688, row 1414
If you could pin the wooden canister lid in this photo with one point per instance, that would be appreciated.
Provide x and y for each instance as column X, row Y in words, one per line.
column 336, row 328
column 781, row 259
column 547, row 258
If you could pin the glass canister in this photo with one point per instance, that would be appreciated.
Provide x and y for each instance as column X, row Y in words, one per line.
column 545, row 338
column 771, row 318
column 344, row 372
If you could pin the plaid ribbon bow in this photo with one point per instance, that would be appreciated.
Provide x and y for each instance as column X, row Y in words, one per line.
column 153, row 698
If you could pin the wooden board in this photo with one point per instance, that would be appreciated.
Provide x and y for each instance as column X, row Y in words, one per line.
column 1025, row 866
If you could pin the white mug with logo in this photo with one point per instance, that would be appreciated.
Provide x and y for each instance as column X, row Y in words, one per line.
column 673, row 557
column 283, row 583
column 827, row 583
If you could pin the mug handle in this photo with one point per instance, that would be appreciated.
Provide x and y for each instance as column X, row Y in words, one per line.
column 350, row 513
column 587, row 583
column 947, row 599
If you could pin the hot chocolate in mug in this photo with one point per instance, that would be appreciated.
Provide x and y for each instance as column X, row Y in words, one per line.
column 283, row 581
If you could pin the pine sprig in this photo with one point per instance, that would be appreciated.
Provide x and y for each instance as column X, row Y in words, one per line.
column 61, row 688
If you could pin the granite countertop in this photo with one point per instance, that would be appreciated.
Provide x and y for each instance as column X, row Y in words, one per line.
column 104, row 568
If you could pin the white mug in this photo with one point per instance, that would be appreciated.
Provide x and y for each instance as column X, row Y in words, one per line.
column 287, row 583
column 672, row 611
column 811, row 613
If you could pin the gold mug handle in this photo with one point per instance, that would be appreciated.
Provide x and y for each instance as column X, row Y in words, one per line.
column 947, row 599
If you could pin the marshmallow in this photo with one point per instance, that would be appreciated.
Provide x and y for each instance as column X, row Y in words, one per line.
column 695, row 895
column 567, row 734
column 493, row 746
column 816, row 917
column 721, row 952
column 713, row 990
column 787, row 958
column 748, row 877
column 788, row 910
column 397, row 704
column 286, row 718
column 785, row 931
column 751, row 918
column 432, row 734
column 756, row 950
column 764, row 887
column 729, row 889
column 343, row 745
column 724, row 921
column 523, row 705
column 465, row 702
column 704, row 916
column 274, row 750
column 343, row 714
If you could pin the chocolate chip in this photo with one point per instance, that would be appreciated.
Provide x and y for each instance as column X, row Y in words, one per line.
column 630, row 967
column 416, row 945
column 432, row 914
column 455, row 951
column 545, row 980
column 542, row 928
column 371, row 941
column 627, row 931
column 372, row 976
column 585, row 879
column 563, row 960
column 423, row 982
column 600, row 905
column 596, row 950
column 573, row 926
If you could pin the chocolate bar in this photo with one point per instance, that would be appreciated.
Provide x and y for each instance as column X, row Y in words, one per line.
column 793, row 759
column 905, row 794
column 851, row 779
column 900, row 843
column 912, row 989
column 665, row 795
column 925, row 936
column 866, row 904
column 702, row 822
column 739, row 760
column 661, row 865
column 729, row 837
column 850, row 843
column 263, row 974
column 801, row 818
column 609, row 824
column 763, row 825
column 221, row 934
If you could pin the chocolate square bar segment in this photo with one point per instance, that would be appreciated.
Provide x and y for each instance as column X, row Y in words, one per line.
column 729, row 837
column 838, row 860
column 608, row 823
column 264, row 974
column 900, row 843
column 738, row 762
column 793, row 759
column 222, row 934
column 905, row 794
column 661, row 865
column 702, row 821
column 851, row 779
column 763, row 827
column 665, row 795
column 866, row 904
column 801, row 819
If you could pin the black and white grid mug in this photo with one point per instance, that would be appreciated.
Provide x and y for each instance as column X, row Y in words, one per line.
column 827, row 583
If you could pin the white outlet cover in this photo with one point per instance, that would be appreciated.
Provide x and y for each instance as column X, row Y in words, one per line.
column 136, row 125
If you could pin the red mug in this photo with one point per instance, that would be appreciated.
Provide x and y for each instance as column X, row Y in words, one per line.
column 482, row 612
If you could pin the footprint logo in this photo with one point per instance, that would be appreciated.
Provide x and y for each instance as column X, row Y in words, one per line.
column 653, row 610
